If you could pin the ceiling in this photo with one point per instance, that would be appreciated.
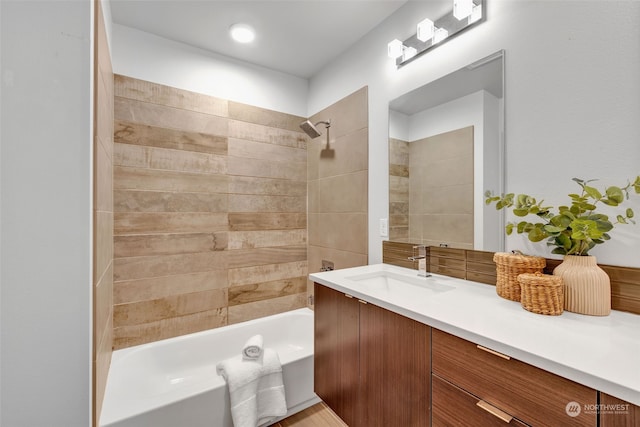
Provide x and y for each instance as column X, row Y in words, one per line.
column 298, row 37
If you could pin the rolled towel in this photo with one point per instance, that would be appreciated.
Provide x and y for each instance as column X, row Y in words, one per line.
column 252, row 349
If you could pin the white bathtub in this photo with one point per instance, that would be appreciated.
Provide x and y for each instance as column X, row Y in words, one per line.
column 174, row 382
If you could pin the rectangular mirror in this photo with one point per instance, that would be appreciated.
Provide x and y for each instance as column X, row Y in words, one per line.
column 446, row 148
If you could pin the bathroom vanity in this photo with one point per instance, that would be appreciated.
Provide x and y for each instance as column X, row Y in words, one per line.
column 395, row 349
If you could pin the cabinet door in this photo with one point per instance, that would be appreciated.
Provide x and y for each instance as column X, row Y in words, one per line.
column 615, row 412
column 395, row 365
column 336, row 366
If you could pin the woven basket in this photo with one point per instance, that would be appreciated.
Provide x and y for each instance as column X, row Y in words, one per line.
column 509, row 266
column 542, row 293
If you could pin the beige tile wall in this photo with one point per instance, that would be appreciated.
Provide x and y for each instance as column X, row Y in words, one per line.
column 398, row 189
column 441, row 189
column 338, row 185
column 210, row 212
column 102, row 215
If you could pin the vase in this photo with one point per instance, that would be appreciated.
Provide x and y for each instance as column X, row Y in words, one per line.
column 587, row 289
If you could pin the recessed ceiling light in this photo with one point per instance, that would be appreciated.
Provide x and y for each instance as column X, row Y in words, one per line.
column 242, row 33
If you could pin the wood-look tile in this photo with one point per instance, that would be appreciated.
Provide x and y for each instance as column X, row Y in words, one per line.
column 103, row 242
column 266, row 150
column 266, row 238
column 273, row 187
column 267, row 168
column 141, row 90
column 260, row 203
column 398, row 152
column 127, row 336
column 158, row 180
column 161, row 201
column 103, row 184
column 169, row 117
column 168, row 222
column 141, row 312
column 266, row 290
column 257, row 309
column 261, row 133
column 262, row 116
column 139, row 134
column 167, row 265
column 261, row 256
column 398, row 170
column 266, row 221
column 266, row 273
column 103, row 302
column 139, row 156
column 160, row 287
column 169, row 244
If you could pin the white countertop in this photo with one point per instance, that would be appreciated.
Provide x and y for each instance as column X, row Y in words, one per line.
column 601, row 352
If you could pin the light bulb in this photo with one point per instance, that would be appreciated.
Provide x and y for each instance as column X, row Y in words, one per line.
column 425, row 30
column 462, row 8
column 242, row 33
column 395, row 49
column 439, row 35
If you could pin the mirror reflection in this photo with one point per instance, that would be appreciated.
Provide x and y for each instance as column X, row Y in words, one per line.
column 446, row 148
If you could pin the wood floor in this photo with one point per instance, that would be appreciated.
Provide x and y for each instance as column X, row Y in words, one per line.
column 318, row 415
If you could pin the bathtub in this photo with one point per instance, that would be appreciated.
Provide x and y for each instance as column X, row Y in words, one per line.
column 174, row 382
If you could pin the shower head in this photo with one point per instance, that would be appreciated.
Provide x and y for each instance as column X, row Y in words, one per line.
column 311, row 130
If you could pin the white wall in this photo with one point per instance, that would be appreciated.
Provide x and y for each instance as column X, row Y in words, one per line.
column 148, row 57
column 45, row 146
column 572, row 99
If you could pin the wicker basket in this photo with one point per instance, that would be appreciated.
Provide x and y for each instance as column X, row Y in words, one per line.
column 542, row 293
column 509, row 266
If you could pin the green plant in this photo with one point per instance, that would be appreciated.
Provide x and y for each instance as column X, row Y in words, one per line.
column 573, row 229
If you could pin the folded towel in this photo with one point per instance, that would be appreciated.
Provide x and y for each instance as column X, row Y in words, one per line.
column 253, row 347
column 256, row 389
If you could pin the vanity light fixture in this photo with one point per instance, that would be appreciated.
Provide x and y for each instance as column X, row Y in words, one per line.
column 242, row 33
column 395, row 48
column 439, row 35
column 425, row 30
column 431, row 33
column 462, row 9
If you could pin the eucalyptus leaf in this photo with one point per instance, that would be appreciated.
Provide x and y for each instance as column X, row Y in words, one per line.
column 570, row 229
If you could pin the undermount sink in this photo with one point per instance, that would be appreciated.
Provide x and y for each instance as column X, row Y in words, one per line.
column 394, row 282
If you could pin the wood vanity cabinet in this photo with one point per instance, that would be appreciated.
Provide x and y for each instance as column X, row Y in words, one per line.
column 372, row 366
column 618, row 413
column 502, row 386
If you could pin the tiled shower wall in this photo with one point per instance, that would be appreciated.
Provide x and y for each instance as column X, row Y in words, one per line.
column 102, row 214
column 431, row 189
column 338, row 185
column 210, row 201
column 398, row 189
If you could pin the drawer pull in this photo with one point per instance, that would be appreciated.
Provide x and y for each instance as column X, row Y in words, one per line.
column 348, row 296
column 363, row 302
column 495, row 411
column 495, row 353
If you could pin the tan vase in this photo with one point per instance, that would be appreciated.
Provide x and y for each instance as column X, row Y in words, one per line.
column 587, row 289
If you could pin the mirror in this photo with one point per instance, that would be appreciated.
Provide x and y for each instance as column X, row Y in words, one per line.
column 446, row 148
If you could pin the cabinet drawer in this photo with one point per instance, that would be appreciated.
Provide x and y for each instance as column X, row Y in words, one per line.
column 453, row 406
column 532, row 395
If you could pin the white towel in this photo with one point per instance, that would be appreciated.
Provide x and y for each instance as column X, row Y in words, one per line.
column 253, row 347
column 256, row 389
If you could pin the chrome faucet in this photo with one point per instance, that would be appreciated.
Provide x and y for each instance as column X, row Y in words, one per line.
column 421, row 257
